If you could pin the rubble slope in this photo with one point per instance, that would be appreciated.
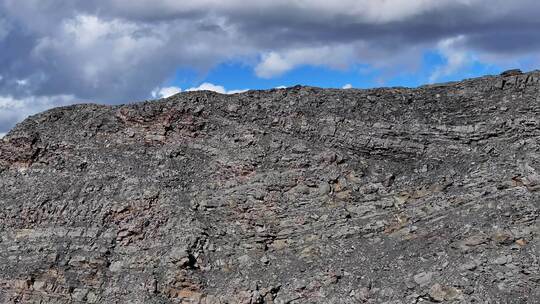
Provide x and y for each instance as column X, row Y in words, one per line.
column 297, row 195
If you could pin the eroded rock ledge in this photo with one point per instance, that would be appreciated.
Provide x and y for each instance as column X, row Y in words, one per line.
column 298, row 195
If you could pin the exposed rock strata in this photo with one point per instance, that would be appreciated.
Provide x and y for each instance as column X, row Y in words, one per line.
column 298, row 195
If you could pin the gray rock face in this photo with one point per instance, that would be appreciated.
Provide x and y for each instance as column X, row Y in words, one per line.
column 298, row 195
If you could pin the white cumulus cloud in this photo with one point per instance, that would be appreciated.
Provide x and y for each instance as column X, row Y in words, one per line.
column 456, row 57
column 275, row 64
column 215, row 88
column 165, row 92
column 347, row 86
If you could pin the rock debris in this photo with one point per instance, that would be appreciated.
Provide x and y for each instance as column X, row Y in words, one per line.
column 298, row 195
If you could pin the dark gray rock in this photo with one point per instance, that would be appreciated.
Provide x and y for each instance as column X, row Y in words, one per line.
column 513, row 72
column 298, row 195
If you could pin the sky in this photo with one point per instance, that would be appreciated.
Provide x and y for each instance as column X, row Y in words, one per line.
column 61, row 52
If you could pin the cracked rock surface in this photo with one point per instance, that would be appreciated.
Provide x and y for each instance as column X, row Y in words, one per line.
column 298, row 195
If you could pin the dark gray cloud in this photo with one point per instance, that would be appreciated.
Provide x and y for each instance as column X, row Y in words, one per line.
column 55, row 51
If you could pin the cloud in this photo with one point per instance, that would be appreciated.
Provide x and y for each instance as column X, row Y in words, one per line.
column 13, row 110
column 347, row 86
column 456, row 57
column 104, row 58
column 2, row 135
column 4, row 29
column 97, row 53
column 165, row 92
column 274, row 64
column 115, row 51
column 208, row 87
column 119, row 50
column 215, row 88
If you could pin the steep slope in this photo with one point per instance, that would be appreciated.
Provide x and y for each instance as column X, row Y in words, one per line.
column 298, row 195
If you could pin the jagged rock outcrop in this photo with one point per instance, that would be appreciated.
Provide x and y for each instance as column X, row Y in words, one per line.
column 298, row 195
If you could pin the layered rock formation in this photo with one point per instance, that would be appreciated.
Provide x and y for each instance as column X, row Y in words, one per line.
column 298, row 195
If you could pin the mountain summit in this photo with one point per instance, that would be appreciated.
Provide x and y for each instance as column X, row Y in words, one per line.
column 298, row 195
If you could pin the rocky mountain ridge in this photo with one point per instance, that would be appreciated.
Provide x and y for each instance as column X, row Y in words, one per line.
column 298, row 195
